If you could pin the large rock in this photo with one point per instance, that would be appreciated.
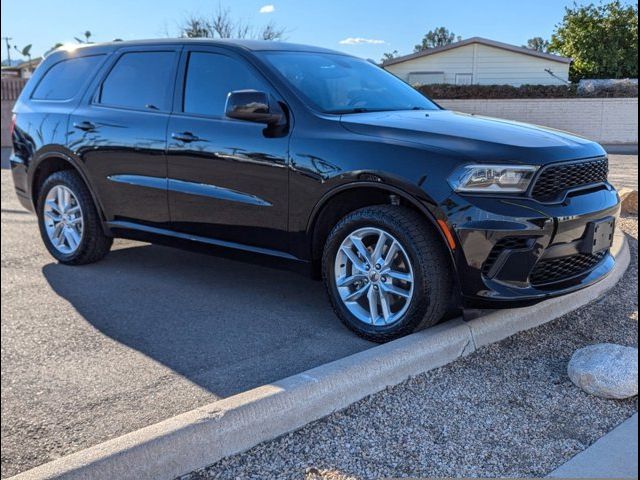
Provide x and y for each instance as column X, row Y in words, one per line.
column 606, row 370
column 629, row 200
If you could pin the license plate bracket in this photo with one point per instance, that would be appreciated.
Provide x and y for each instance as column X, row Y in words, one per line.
column 599, row 236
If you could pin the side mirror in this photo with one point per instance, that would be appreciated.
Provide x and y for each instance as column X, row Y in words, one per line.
column 251, row 106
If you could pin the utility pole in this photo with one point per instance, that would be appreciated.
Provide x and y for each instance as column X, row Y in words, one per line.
column 6, row 39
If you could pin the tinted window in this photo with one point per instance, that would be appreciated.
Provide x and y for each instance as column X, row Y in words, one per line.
column 337, row 83
column 63, row 80
column 210, row 78
column 140, row 80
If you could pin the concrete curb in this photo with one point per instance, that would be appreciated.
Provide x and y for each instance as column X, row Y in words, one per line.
column 202, row 436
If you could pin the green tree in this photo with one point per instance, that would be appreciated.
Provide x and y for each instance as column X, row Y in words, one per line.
column 438, row 37
column 389, row 56
column 86, row 35
column 538, row 44
column 54, row 47
column 601, row 39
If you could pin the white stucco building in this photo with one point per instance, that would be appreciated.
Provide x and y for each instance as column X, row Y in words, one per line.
column 483, row 62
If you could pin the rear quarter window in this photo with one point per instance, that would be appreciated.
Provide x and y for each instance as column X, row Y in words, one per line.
column 64, row 79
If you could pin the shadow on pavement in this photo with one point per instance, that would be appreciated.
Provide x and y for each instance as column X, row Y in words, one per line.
column 227, row 326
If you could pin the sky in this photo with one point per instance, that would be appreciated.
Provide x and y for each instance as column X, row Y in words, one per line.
column 363, row 28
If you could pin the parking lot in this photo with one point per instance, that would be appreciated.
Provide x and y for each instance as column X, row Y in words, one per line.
column 93, row 352
column 90, row 353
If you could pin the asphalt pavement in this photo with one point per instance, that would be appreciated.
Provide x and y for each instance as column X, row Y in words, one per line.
column 93, row 352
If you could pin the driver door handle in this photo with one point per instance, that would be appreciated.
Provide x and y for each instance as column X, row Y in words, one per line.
column 85, row 126
column 186, row 137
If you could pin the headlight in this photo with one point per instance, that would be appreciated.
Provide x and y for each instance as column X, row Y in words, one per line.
column 492, row 178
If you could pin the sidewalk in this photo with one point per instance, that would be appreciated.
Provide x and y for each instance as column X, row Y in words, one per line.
column 613, row 456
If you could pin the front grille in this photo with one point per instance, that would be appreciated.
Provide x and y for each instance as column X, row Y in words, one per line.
column 509, row 243
column 557, row 269
column 555, row 180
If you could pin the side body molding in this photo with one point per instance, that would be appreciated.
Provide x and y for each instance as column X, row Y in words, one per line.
column 190, row 188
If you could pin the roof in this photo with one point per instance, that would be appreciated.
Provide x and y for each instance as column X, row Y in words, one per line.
column 29, row 63
column 482, row 41
column 21, row 65
column 252, row 45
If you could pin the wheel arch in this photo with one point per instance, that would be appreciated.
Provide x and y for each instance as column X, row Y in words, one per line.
column 346, row 198
column 55, row 161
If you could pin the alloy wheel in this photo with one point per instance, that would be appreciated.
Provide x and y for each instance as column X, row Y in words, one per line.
column 374, row 276
column 63, row 220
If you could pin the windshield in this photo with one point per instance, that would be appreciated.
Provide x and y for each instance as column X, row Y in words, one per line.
column 335, row 83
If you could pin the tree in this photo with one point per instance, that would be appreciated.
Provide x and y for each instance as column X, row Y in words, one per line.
column 601, row 39
column 87, row 36
column 389, row 56
column 436, row 38
column 54, row 47
column 223, row 25
column 195, row 27
column 538, row 44
column 272, row 32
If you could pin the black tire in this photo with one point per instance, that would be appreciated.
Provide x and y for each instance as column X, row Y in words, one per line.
column 94, row 244
column 432, row 270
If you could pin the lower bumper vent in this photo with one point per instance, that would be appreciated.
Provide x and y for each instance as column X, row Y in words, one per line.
column 557, row 269
column 509, row 243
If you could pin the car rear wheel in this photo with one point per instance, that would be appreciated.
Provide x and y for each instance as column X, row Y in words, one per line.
column 69, row 223
column 386, row 272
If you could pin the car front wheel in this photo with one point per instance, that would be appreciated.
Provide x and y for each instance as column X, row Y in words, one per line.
column 386, row 272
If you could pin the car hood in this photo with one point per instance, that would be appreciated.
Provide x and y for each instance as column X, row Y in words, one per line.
column 475, row 137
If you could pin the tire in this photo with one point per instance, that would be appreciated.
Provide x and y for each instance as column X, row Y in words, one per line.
column 432, row 281
column 88, row 243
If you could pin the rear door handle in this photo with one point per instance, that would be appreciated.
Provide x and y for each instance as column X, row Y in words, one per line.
column 86, row 126
column 185, row 137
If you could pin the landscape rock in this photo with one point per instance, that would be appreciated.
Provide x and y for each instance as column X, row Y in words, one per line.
column 606, row 370
column 629, row 199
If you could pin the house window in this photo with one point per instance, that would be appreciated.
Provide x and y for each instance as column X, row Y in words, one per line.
column 464, row 78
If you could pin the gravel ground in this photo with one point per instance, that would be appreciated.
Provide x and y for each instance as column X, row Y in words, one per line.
column 508, row 410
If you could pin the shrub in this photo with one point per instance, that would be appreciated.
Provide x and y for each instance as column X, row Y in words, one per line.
column 448, row 91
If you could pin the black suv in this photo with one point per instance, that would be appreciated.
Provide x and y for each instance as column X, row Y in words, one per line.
column 313, row 157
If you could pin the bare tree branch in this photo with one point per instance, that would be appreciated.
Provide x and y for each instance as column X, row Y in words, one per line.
column 273, row 32
column 196, row 27
column 223, row 25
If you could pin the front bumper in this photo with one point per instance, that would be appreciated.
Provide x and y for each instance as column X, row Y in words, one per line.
column 520, row 250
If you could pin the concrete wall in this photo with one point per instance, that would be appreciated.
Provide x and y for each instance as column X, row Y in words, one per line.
column 605, row 120
column 487, row 66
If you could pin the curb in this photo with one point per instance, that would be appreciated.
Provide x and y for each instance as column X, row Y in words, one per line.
column 203, row 436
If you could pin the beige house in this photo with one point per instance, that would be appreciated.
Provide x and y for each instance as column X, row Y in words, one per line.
column 480, row 61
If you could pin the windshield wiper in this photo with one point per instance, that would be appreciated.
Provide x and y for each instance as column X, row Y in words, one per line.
column 361, row 110
column 368, row 110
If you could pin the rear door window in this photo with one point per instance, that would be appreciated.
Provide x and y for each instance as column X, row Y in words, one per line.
column 140, row 80
column 64, row 79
